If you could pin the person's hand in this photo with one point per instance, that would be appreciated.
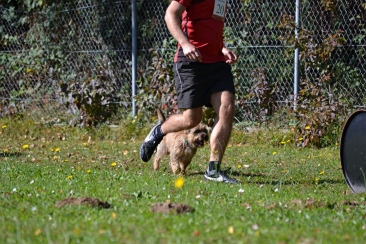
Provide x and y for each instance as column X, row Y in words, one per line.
column 191, row 52
column 231, row 57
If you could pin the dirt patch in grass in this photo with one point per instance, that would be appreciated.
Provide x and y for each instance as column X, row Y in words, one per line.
column 171, row 208
column 93, row 202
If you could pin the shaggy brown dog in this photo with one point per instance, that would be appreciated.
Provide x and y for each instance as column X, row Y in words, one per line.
column 181, row 146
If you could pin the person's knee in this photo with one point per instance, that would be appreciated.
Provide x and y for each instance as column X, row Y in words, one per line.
column 191, row 122
column 226, row 110
column 229, row 107
column 192, row 117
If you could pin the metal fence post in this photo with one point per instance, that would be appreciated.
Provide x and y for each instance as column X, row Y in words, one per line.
column 296, row 55
column 134, row 56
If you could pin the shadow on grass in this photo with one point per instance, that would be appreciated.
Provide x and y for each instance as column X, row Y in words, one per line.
column 330, row 181
column 292, row 182
column 229, row 172
column 268, row 180
column 6, row 154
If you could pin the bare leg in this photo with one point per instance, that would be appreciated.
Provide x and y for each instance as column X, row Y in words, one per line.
column 187, row 120
column 223, row 104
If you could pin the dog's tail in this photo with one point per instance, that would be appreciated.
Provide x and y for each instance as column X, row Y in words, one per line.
column 161, row 116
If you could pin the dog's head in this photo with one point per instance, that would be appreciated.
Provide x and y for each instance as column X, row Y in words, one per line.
column 197, row 136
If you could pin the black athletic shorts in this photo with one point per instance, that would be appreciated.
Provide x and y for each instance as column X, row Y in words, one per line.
column 195, row 82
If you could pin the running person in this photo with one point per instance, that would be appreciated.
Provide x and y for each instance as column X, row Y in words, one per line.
column 203, row 77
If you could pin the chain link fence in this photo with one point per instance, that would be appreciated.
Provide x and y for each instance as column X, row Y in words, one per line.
column 95, row 37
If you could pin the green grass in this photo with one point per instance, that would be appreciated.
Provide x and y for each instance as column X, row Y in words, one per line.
column 287, row 195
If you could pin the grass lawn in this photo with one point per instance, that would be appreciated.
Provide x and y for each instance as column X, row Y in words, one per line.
column 287, row 195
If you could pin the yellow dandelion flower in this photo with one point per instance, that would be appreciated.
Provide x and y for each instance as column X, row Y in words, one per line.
column 26, row 146
column 179, row 182
column 300, row 139
column 38, row 232
column 321, row 173
column 52, row 149
column 6, row 150
column 69, row 177
column 283, row 142
column 114, row 215
column 88, row 171
column 274, row 153
column 113, row 164
column 3, row 127
column 57, row 149
column 55, row 157
column 85, row 144
column 76, row 231
column 307, row 128
column 288, row 140
column 239, row 166
column 231, row 230
column 229, row 146
column 284, row 171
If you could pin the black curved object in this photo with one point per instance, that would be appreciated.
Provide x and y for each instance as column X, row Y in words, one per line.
column 353, row 151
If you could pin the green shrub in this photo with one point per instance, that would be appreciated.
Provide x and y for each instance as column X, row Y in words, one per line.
column 318, row 105
column 91, row 95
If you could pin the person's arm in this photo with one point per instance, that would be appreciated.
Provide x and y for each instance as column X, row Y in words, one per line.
column 231, row 57
column 172, row 19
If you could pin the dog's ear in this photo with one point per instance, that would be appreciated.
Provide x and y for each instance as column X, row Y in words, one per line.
column 161, row 116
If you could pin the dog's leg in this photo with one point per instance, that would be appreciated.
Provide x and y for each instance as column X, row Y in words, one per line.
column 156, row 163
column 160, row 152
column 174, row 164
column 186, row 160
column 183, row 166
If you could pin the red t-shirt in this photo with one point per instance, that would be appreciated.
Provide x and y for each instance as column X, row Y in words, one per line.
column 203, row 29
